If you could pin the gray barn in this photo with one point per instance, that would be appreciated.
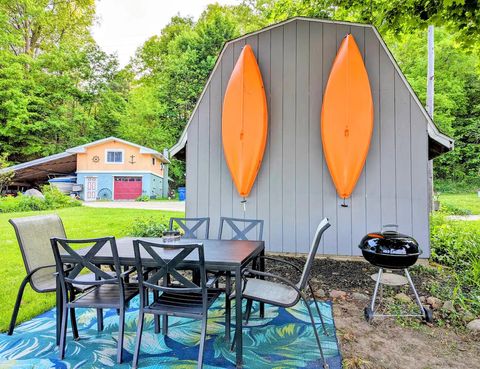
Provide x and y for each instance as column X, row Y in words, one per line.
column 294, row 190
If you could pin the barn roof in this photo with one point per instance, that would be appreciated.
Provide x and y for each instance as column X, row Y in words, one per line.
column 438, row 143
column 65, row 162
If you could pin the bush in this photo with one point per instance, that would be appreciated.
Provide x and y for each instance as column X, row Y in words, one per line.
column 465, row 186
column 148, row 227
column 143, row 198
column 456, row 244
column 54, row 199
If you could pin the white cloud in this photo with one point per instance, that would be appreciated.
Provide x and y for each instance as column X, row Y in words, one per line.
column 123, row 25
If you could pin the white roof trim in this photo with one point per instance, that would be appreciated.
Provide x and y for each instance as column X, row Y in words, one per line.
column 143, row 150
column 433, row 131
column 40, row 161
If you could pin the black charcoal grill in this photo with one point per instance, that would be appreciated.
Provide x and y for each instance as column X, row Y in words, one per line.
column 391, row 250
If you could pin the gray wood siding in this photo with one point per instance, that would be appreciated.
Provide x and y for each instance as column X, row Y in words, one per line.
column 294, row 189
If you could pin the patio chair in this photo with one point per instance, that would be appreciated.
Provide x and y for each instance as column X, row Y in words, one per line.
column 109, row 291
column 238, row 233
column 191, row 227
column 181, row 297
column 285, row 293
column 33, row 236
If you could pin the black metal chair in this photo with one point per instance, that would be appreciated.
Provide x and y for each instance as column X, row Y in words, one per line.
column 242, row 229
column 33, row 236
column 285, row 293
column 178, row 296
column 191, row 227
column 109, row 291
column 249, row 225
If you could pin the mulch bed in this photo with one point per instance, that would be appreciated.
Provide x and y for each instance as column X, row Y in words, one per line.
column 345, row 275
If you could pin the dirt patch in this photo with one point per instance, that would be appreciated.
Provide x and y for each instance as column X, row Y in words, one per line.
column 387, row 343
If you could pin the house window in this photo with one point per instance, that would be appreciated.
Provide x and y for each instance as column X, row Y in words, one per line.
column 114, row 156
column 153, row 161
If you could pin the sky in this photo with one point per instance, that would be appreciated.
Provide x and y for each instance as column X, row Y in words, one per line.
column 123, row 25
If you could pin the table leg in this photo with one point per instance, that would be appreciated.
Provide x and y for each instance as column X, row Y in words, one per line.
column 238, row 317
column 262, row 269
column 59, row 310
column 228, row 311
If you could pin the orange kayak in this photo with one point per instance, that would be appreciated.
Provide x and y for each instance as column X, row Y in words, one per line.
column 347, row 117
column 244, row 122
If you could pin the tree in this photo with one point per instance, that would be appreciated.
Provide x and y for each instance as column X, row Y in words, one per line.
column 5, row 176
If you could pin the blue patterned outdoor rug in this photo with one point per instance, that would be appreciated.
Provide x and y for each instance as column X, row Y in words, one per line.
column 283, row 339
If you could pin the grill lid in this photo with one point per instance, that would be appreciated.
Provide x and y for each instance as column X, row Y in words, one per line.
column 389, row 242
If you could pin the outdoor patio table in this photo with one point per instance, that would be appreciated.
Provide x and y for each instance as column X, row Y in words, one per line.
column 220, row 255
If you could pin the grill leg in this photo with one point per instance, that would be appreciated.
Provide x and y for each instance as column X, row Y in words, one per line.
column 417, row 298
column 375, row 291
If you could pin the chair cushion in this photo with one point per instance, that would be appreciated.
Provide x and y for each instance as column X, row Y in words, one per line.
column 268, row 291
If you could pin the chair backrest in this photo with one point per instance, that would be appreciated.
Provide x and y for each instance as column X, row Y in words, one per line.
column 322, row 227
column 33, row 236
column 192, row 227
column 78, row 263
column 241, row 229
column 169, row 267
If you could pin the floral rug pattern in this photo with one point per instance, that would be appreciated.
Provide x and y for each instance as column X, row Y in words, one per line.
column 283, row 339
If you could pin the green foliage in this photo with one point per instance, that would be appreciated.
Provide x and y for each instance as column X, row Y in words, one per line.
column 148, row 227
column 143, row 198
column 54, row 199
column 456, row 244
column 5, row 177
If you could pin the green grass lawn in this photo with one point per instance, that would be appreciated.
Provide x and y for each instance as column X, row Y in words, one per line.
column 469, row 201
column 81, row 222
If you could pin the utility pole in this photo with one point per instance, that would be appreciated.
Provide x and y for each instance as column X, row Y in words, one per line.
column 430, row 102
column 165, row 189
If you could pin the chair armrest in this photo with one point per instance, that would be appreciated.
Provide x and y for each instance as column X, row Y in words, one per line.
column 281, row 261
column 251, row 272
column 32, row 272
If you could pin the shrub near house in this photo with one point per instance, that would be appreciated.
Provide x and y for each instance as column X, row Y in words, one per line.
column 54, row 199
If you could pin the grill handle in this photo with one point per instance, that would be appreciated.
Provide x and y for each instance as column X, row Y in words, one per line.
column 385, row 226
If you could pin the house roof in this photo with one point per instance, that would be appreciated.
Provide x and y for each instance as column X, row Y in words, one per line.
column 65, row 162
column 438, row 142
column 143, row 150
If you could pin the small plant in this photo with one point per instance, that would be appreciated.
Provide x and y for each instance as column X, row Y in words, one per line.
column 54, row 199
column 143, row 198
column 148, row 227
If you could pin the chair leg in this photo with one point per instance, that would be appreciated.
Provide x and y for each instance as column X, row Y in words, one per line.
column 17, row 305
column 248, row 310
column 165, row 324
column 228, row 304
column 100, row 320
column 121, row 326
column 318, row 310
column 156, row 318
column 73, row 318
column 63, row 333
column 136, row 352
column 325, row 365
column 202, row 342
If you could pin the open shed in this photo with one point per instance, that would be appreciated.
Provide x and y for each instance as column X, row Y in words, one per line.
column 293, row 190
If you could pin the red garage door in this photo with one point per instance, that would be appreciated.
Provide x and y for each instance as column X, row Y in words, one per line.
column 127, row 188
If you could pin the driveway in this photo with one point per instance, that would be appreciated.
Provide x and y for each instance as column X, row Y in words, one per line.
column 147, row 205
